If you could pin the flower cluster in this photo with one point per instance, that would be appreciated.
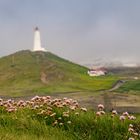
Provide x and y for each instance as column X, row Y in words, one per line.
column 133, row 132
column 60, row 112
column 122, row 117
column 126, row 115
column 56, row 111
column 100, row 110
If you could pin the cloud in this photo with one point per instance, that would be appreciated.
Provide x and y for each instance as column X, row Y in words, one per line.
column 78, row 30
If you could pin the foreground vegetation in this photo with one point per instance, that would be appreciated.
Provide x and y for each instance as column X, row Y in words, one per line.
column 44, row 118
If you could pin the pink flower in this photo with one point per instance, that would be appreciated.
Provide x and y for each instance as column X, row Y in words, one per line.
column 60, row 124
column 48, row 97
column 122, row 118
column 65, row 98
column 52, row 114
column 131, row 125
column 136, row 134
column 102, row 112
column 84, row 109
column 76, row 104
column 1, row 100
column 9, row 101
column 100, row 107
column 59, row 118
column 36, row 107
column 76, row 113
column 72, row 108
column 131, row 139
column 98, row 113
column 68, row 122
column 42, row 112
column 55, row 123
column 131, row 117
column 67, row 102
column 12, row 109
column 65, row 115
column 125, row 114
column 35, row 98
column 49, row 108
column 114, row 112
column 130, row 129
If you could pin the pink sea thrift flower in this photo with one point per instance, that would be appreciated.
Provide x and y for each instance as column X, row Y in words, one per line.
column 42, row 112
column 84, row 109
column 35, row 98
column 102, row 112
column 64, row 104
column 68, row 122
column 60, row 124
column 100, row 107
column 122, row 118
column 55, row 123
column 49, row 108
column 114, row 112
column 130, row 129
column 9, row 101
column 65, row 98
column 131, row 139
column 65, row 115
column 1, row 103
column 59, row 118
column 76, row 113
column 72, row 108
column 48, row 97
column 131, row 125
column 98, row 113
column 12, row 109
column 131, row 117
column 68, row 102
column 1, row 100
column 136, row 134
column 125, row 114
column 36, row 107
column 76, row 104
column 49, row 112
column 52, row 114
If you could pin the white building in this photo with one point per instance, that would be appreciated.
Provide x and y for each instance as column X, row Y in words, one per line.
column 97, row 72
column 37, row 41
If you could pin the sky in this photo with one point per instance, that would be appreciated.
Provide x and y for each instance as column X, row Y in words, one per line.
column 83, row 31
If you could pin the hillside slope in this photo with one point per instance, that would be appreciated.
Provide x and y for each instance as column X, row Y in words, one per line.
column 27, row 73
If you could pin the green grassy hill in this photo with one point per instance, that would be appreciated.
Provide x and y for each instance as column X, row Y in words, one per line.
column 133, row 85
column 28, row 73
column 128, row 74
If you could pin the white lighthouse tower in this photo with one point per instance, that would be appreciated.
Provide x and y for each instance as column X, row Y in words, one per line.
column 37, row 41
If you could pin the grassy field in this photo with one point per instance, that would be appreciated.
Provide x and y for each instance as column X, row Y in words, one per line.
column 28, row 73
column 131, row 76
column 44, row 118
column 133, row 85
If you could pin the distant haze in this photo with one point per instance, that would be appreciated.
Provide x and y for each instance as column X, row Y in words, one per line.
column 83, row 31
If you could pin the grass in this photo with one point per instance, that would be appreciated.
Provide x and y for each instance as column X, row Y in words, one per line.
column 26, row 73
column 133, row 85
column 33, row 122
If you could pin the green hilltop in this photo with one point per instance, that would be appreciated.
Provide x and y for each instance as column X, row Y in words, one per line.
column 26, row 73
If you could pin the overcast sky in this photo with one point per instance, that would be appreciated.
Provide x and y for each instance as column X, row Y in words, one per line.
column 78, row 30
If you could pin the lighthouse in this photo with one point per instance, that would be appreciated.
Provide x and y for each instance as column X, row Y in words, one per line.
column 37, row 41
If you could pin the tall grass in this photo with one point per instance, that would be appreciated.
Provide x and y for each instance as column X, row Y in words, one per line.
column 36, row 122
